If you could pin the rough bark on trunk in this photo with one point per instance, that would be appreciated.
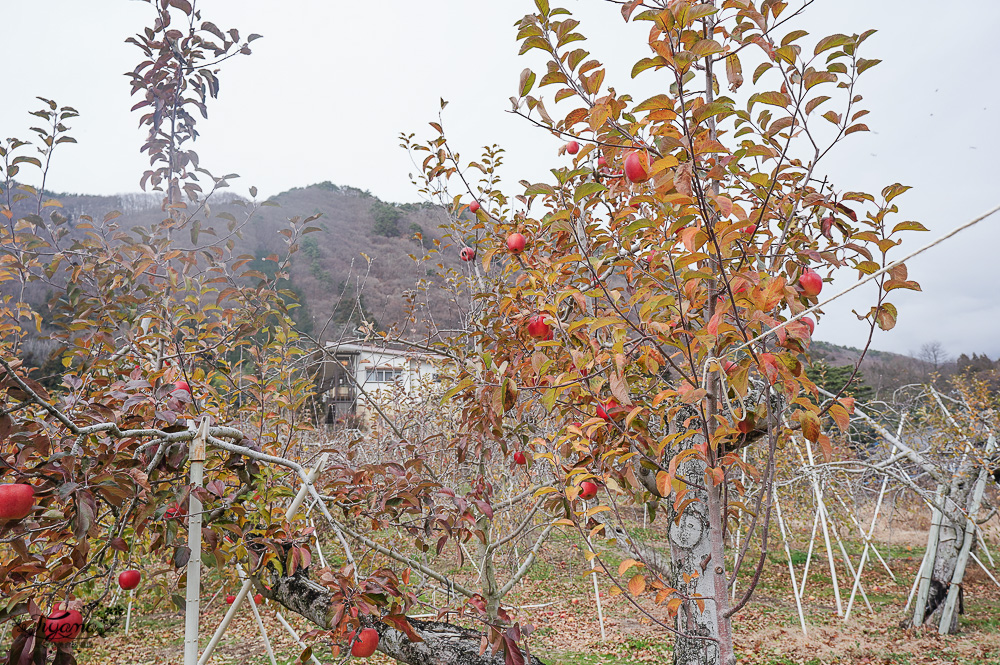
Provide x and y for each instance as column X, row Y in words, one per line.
column 950, row 538
column 698, row 571
column 443, row 643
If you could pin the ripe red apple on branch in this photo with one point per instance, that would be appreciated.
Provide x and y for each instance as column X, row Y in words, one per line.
column 230, row 599
column 519, row 458
column 572, row 147
column 62, row 626
column 637, row 167
column 811, row 283
column 588, row 490
column 515, row 243
column 365, row 644
column 16, row 501
column 604, row 410
column 538, row 329
column 129, row 579
column 467, row 254
column 183, row 385
column 474, row 207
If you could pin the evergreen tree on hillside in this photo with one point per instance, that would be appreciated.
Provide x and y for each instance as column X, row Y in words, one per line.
column 833, row 379
column 386, row 219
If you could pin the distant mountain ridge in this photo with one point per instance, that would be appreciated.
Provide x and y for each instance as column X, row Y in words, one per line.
column 359, row 267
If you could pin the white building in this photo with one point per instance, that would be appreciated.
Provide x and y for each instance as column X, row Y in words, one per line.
column 352, row 374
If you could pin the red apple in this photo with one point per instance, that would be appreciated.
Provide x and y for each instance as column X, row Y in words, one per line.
column 366, row 643
column 588, row 490
column 538, row 329
column 129, row 579
column 474, row 207
column 572, row 147
column 729, row 366
column 515, row 243
column 63, row 625
column 467, row 254
column 230, row 599
column 16, row 501
column 175, row 510
column 519, row 458
column 637, row 167
column 258, row 599
column 603, row 410
column 811, row 283
column 752, row 229
column 182, row 385
column 809, row 324
column 601, row 162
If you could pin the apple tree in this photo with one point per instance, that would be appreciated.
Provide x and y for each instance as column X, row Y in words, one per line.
column 652, row 336
column 163, row 324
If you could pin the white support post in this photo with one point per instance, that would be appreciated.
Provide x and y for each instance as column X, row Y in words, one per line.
column 916, row 582
column 260, row 623
column 128, row 614
column 809, row 553
column 791, row 567
column 821, row 508
column 226, row 620
column 193, row 588
column 927, row 569
column 985, row 569
column 963, row 557
column 295, row 636
column 597, row 591
column 982, row 545
column 293, row 507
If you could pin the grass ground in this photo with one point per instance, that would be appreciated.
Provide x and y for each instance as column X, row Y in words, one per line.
column 558, row 599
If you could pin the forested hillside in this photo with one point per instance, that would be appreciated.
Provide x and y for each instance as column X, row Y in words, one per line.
column 370, row 261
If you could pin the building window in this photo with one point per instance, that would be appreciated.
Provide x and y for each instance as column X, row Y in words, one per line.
column 383, row 375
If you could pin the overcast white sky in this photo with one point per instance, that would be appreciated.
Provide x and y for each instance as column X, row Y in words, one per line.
column 333, row 82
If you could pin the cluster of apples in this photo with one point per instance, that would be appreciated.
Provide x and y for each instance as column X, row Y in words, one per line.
column 636, row 163
column 257, row 599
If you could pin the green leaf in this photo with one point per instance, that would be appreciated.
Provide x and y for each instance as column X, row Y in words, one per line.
column 909, row 226
column 772, row 97
column 892, row 191
column 539, row 188
column 706, row 47
column 833, row 41
column 792, row 36
column 527, row 81
column 701, row 11
column 645, row 64
column 587, row 189
column 864, row 64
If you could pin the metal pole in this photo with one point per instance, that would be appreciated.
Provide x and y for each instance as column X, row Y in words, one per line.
column 791, row 568
column 295, row 636
column 293, row 507
column 128, row 614
column 226, row 620
column 193, row 590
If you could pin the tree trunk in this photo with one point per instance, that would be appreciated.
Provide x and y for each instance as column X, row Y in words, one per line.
column 699, row 571
column 443, row 643
column 959, row 496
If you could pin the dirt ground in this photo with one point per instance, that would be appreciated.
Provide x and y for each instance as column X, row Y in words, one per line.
column 558, row 600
